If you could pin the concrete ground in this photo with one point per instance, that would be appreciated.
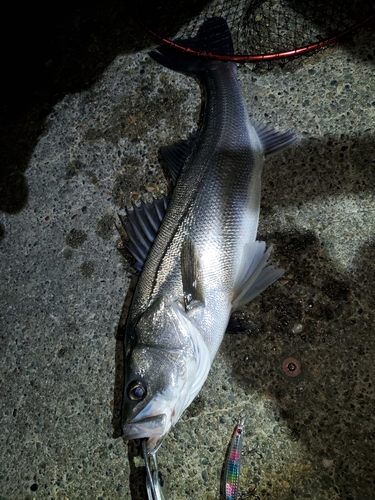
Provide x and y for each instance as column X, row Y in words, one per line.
column 84, row 115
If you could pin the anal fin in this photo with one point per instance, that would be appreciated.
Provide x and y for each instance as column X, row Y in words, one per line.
column 254, row 274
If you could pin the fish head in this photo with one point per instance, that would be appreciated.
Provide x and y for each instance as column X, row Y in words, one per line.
column 166, row 364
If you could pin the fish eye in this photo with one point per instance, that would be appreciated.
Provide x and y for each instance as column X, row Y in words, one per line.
column 137, row 391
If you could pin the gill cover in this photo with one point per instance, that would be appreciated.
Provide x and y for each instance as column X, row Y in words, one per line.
column 166, row 367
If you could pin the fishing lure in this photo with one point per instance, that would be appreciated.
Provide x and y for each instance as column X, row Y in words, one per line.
column 232, row 465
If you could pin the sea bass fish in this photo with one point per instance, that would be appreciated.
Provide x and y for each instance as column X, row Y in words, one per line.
column 197, row 253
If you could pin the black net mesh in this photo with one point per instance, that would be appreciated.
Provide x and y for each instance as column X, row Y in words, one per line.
column 257, row 26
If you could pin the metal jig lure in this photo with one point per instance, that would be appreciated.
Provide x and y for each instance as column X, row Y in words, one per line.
column 232, row 465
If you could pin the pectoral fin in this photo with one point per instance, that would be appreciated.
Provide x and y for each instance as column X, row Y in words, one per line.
column 191, row 275
column 254, row 275
column 141, row 225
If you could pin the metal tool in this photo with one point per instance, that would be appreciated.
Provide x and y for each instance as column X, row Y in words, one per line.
column 154, row 480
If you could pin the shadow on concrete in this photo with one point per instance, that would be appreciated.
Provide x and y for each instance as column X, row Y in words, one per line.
column 324, row 319
column 52, row 50
column 335, row 15
column 137, row 476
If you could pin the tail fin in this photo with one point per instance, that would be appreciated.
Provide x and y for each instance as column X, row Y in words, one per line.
column 213, row 37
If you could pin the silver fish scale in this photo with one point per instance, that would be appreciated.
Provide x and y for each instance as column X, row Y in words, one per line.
column 215, row 204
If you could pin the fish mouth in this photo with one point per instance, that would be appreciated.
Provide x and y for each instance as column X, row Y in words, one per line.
column 153, row 428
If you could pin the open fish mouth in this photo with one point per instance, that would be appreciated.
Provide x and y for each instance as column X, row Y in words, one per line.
column 153, row 428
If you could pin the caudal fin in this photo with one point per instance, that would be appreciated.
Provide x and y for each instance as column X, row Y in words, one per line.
column 213, row 37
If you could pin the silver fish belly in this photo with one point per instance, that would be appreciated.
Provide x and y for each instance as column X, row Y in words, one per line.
column 205, row 260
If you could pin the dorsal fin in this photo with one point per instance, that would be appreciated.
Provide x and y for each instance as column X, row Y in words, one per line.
column 272, row 141
column 141, row 225
column 175, row 155
column 254, row 275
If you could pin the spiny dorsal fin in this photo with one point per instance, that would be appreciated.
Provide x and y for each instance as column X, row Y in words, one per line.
column 175, row 155
column 141, row 225
column 191, row 276
column 272, row 141
column 254, row 275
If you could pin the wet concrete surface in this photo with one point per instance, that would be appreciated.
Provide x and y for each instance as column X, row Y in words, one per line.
column 91, row 149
